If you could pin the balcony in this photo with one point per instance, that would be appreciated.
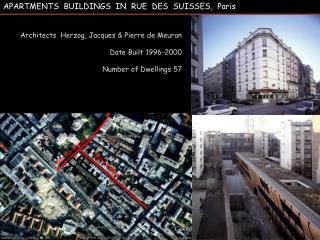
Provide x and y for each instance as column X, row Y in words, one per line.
column 194, row 34
column 194, row 80
column 194, row 56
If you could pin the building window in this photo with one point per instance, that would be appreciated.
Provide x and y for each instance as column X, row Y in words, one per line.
column 278, row 76
column 194, row 51
column 264, row 42
column 253, row 66
column 295, row 184
column 254, row 86
column 246, row 58
column 194, row 29
column 240, row 88
column 253, row 55
column 265, row 84
column 196, row 99
column 277, row 48
column 247, row 87
column 253, row 75
column 264, row 52
column 194, row 74
column 252, row 46
column 264, row 63
column 265, row 73
column 239, row 71
column 277, row 58
column 246, row 68
column 239, row 79
column 246, row 77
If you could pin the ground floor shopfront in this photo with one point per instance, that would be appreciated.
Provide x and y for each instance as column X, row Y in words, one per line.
column 197, row 100
column 267, row 95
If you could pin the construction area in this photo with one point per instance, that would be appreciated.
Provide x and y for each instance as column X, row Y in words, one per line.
column 223, row 205
column 53, row 206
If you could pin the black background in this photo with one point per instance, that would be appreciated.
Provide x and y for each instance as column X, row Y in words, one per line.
column 243, row 6
column 63, row 75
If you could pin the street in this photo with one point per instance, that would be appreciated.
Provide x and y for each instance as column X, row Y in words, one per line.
column 264, row 109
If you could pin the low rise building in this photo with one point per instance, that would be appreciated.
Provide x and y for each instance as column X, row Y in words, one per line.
column 291, row 200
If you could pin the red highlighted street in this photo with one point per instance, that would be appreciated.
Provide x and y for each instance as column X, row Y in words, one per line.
column 64, row 162
column 114, row 180
column 111, row 168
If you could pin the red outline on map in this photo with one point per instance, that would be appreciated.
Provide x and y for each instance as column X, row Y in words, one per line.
column 114, row 180
column 84, row 145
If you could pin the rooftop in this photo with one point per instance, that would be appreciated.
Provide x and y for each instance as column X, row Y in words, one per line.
column 300, row 191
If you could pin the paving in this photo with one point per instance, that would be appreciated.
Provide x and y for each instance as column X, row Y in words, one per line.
column 264, row 109
column 213, row 223
column 196, row 213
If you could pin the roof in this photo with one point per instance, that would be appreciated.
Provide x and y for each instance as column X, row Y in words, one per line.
column 16, row 160
column 274, row 159
column 305, row 199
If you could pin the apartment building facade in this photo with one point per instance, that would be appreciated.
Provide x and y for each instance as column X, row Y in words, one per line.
column 266, row 68
column 315, row 149
column 197, row 99
column 229, row 76
column 234, row 142
column 197, row 152
column 263, row 68
column 318, row 87
column 296, row 147
column 212, row 79
column 310, row 80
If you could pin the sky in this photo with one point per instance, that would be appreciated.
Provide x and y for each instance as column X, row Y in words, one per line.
column 221, row 35
column 236, row 124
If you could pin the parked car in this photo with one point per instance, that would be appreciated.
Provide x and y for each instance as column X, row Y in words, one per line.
column 307, row 97
column 317, row 96
column 293, row 100
column 235, row 100
column 292, row 111
column 308, row 107
column 247, row 102
column 223, row 101
column 282, row 101
column 218, row 109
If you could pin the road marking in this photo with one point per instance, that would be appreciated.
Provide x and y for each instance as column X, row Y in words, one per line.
column 84, row 145
column 248, row 108
column 114, row 180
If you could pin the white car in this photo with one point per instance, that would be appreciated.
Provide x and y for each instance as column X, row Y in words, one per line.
column 218, row 109
column 309, row 107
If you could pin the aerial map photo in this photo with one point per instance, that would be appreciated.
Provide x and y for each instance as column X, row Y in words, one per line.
column 95, row 176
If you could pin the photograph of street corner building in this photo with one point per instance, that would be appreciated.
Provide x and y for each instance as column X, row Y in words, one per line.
column 257, row 179
column 95, row 176
column 255, row 65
